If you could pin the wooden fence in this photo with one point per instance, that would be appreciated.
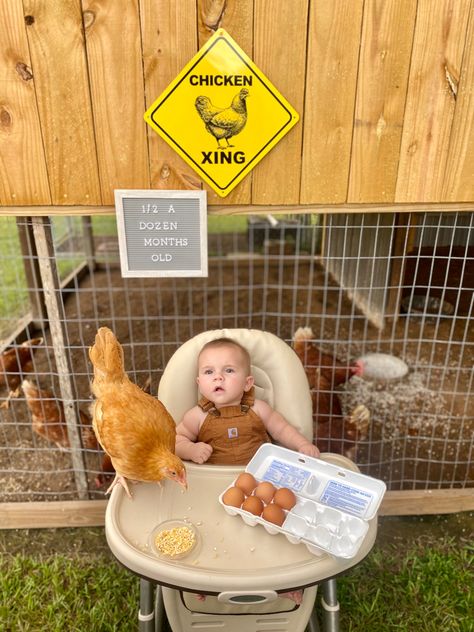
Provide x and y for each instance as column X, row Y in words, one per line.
column 383, row 88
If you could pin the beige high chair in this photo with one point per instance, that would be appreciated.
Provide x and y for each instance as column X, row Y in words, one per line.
column 241, row 570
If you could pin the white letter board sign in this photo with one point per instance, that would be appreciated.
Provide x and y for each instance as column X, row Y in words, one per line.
column 162, row 233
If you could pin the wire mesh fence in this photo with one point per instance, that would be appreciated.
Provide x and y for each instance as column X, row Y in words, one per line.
column 399, row 285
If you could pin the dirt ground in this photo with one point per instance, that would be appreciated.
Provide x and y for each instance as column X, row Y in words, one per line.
column 421, row 428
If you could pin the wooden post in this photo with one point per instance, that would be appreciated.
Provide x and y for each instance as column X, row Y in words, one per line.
column 402, row 243
column 52, row 293
column 88, row 241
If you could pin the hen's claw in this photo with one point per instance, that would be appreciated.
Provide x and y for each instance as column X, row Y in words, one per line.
column 119, row 480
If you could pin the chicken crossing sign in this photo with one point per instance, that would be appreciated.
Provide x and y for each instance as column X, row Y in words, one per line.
column 221, row 114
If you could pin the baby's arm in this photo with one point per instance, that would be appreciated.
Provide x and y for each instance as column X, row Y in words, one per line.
column 283, row 432
column 186, row 434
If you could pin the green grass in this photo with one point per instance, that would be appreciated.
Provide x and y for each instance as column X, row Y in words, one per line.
column 418, row 589
column 65, row 579
column 13, row 295
column 67, row 594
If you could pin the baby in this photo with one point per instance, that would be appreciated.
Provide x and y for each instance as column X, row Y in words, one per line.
column 229, row 425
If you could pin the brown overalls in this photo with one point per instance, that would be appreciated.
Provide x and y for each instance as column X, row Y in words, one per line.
column 234, row 432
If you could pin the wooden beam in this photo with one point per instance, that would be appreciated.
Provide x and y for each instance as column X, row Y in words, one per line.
column 420, row 502
column 91, row 513
column 254, row 209
column 46, row 515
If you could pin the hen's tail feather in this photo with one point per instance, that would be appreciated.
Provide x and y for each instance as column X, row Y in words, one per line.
column 107, row 356
column 302, row 334
column 301, row 341
column 33, row 342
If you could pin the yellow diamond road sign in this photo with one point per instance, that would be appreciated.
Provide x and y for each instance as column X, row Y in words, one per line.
column 221, row 114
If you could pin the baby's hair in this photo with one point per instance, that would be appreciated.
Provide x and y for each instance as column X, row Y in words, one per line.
column 224, row 342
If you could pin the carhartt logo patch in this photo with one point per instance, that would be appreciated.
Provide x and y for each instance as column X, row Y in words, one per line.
column 232, row 433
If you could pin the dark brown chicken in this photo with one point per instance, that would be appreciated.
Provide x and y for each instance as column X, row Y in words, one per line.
column 133, row 428
column 14, row 363
column 333, row 431
column 49, row 422
column 316, row 362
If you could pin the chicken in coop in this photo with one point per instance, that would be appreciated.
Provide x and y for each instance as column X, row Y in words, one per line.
column 334, row 431
column 14, row 363
column 223, row 123
column 133, row 427
column 49, row 422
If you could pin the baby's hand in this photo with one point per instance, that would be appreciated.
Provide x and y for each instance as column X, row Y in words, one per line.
column 310, row 450
column 201, row 452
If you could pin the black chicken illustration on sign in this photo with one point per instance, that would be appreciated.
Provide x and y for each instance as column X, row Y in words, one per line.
column 224, row 122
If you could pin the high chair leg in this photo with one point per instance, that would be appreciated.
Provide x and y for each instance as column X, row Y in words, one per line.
column 330, row 606
column 146, row 614
column 160, row 616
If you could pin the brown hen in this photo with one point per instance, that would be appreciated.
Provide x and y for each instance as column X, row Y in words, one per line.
column 133, row 428
column 14, row 363
column 333, row 431
column 49, row 422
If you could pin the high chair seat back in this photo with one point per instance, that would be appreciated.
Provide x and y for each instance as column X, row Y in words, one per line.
column 279, row 376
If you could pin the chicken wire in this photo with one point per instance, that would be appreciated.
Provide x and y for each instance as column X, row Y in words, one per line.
column 401, row 285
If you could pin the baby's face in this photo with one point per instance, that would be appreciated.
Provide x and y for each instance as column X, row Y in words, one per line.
column 223, row 375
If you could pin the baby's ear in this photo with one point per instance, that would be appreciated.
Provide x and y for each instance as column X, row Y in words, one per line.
column 249, row 382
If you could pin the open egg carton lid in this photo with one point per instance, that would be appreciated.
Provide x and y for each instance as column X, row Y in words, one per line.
column 333, row 503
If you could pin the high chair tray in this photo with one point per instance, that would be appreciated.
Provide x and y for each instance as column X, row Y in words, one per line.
column 231, row 555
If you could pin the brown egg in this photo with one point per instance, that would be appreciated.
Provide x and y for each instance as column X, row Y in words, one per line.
column 253, row 504
column 246, row 483
column 275, row 514
column 233, row 497
column 285, row 498
column 265, row 492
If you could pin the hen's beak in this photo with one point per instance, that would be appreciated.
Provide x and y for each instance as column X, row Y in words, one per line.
column 181, row 479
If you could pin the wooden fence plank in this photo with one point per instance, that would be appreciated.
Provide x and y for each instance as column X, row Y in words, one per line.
column 113, row 41
column 169, row 42
column 280, row 51
column 48, row 515
column 439, row 38
column 23, row 174
column 333, row 51
column 386, row 42
column 91, row 513
column 459, row 178
column 427, row 502
column 56, row 43
column 236, row 17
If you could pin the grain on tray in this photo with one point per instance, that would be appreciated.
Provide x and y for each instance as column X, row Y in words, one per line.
column 175, row 541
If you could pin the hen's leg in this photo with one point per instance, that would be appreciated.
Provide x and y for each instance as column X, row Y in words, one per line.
column 360, row 419
column 11, row 395
column 356, row 427
column 119, row 480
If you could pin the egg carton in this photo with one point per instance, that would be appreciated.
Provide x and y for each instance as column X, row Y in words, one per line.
column 333, row 505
